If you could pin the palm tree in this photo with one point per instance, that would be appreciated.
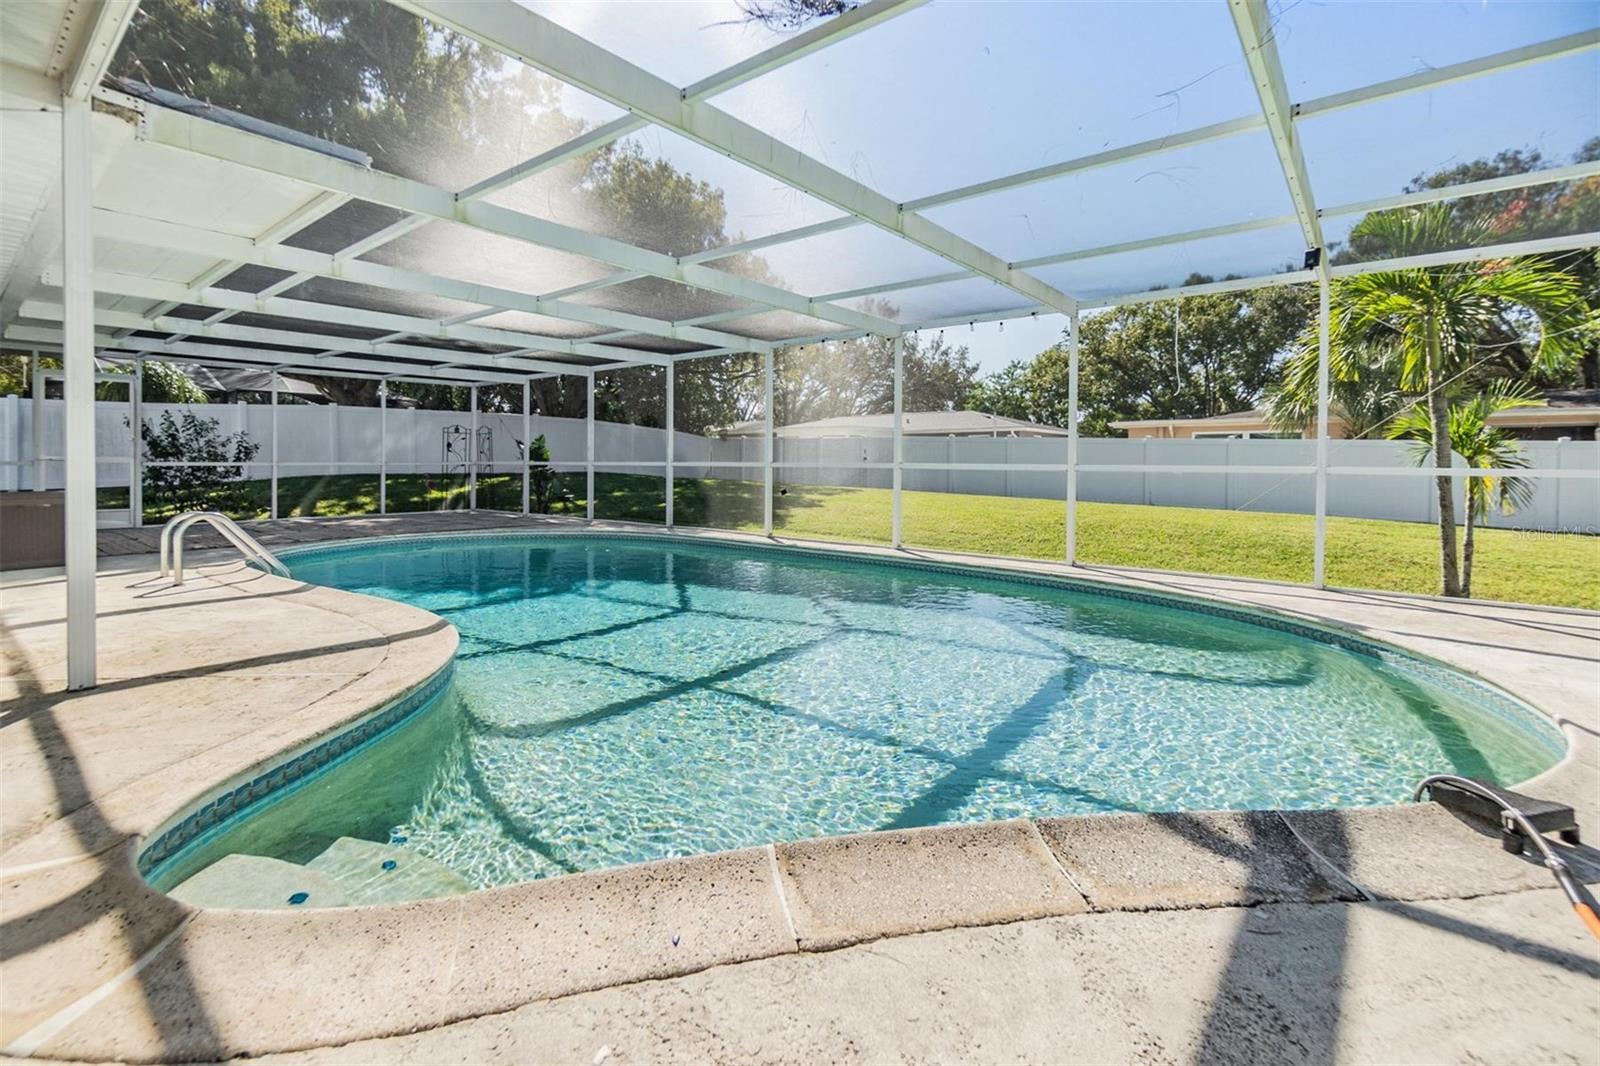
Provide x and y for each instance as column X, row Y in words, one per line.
column 1427, row 327
column 1483, row 447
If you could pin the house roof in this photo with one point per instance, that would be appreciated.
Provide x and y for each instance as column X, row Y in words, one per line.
column 916, row 424
column 1579, row 406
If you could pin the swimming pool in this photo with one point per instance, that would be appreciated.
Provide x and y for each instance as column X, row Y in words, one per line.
column 620, row 698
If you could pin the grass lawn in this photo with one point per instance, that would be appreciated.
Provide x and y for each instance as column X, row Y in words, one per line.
column 1560, row 569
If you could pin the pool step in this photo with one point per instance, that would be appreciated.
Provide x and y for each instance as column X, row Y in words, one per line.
column 383, row 873
column 255, row 882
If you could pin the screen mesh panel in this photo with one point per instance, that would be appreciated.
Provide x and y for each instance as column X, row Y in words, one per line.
column 1377, row 149
column 372, row 298
column 346, row 224
column 657, row 298
column 460, row 252
column 662, row 191
column 1376, row 42
column 835, row 262
column 995, row 93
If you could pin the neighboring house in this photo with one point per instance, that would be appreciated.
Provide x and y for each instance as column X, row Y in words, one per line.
column 1567, row 414
column 915, row 424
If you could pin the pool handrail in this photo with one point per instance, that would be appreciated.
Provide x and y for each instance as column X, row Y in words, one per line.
column 173, row 532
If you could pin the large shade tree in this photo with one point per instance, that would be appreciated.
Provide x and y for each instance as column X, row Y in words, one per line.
column 1200, row 356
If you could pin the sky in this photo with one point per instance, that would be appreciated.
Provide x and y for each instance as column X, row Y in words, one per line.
column 958, row 92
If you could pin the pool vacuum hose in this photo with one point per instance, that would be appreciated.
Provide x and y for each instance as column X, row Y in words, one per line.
column 1515, row 823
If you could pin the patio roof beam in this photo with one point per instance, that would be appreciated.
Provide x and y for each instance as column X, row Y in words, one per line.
column 973, row 319
column 1504, row 250
column 546, row 46
column 306, row 263
column 896, row 286
column 823, row 34
column 1437, row 77
column 123, row 320
column 111, row 21
column 1506, row 183
column 1253, row 22
column 285, row 307
column 1538, row 246
column 189, row 133
column 223, row 355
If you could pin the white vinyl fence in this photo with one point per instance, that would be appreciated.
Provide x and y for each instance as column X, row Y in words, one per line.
column 329, row 439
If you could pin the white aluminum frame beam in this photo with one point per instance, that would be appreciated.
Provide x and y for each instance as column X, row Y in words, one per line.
column 224, row 355
column 1506, row 183
column 1253, row 22
column 77, row 343
column 181, row 328
column 1319, row 550
column 1438, row 77
column 153, row 349
column 546, row 46
column 284, row 307
column 111, row 19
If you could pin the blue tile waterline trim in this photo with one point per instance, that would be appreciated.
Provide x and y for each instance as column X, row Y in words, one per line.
column 1481, row 694
column 203, row 824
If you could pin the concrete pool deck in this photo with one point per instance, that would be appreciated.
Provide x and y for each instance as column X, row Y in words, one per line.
column 1394, row 933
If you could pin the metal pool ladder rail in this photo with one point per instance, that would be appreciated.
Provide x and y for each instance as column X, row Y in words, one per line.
column 172, row 543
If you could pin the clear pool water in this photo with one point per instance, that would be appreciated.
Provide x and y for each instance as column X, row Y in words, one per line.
column 618, row 701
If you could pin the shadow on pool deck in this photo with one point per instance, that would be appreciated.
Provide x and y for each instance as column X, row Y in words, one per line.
column 178, row 1024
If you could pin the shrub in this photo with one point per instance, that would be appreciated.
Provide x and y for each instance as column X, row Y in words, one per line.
column 544, row 484
column 190, row 438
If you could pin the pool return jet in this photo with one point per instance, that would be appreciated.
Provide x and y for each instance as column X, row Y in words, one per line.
column 1521, row 818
